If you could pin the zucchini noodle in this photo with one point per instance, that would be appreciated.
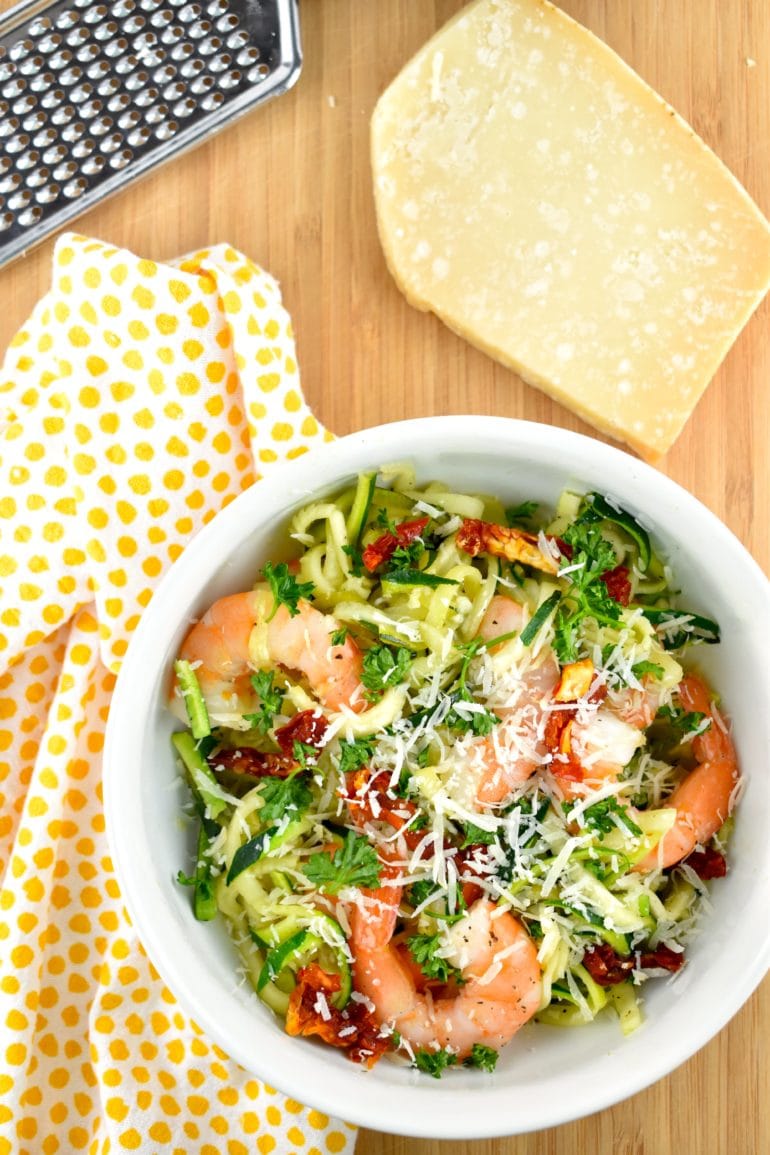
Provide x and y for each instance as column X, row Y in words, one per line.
column 446, row 713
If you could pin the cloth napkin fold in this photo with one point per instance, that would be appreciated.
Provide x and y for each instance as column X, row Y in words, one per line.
column 139, row 400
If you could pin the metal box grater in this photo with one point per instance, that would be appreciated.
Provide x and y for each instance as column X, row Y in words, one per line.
column 93, row 95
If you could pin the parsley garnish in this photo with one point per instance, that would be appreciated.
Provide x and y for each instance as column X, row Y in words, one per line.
column 356, row 559
column 382, row 521
column 355, row 863
column 599, row 817
column 420, row 891
column 641, row 668
column 384, row 667
column 281, row 796
column 587, row 596
column 434, row 1062
column 485, row 1058
column 270, row 703
column 479, row 722
column 686, row 724
column 285, row 588
column 476, row 836
column 355, row 754
column 305, row 754
column 422, row 948
column 339, row 636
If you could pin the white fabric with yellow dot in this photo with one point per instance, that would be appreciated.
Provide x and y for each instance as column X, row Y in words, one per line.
column 139, row 400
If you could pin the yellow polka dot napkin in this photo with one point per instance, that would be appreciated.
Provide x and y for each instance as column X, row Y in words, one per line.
column 138, row 401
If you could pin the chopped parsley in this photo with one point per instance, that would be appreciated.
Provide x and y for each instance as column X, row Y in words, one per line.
column 270, row 703
column 587, row 596
column 305, row 754
column 282, row 796
column 285, row 588
column 355, row 863
column 434, row 1062
column 520, row 516
column 687, row 724
column 485, row 1058
column 338, row 637
column 384, row 667
column 476, row 836
column 605, row 816
column 357, row 753
column 422, row 948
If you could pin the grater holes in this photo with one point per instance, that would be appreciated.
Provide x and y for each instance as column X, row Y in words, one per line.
column 9, row 182
column 80, row 94
column 210, row 45
column 37, row 178
column 102, row 125
column 67, row 19
column 42, row 82
column 104, row 31
column 65, row 171
column 30, row 216
column 118, row 102
column 136, row 81
column 121, row 159
column 61, row 59
column 166, row 130
column 15, row 87
column 93, row 165
column 257, row 74
column 72, row 132
column 230, row 80
column 20, row 49
column 108, row 86
column 87, row 52
column 16, row 144
column 134, row 24
column 48, row 194
column 26, row 104
column 55, row 154
column 173, row 91
column 52, row 99
column 237, row 39
column 6, row 71
column 27, row 160
column 162, row 18
column 124, row 8
column 147, row 40
column 190, row 12
column 129, row 119
column 172, row 35
column 6, row 220
column 146, row 97
column 97, row 70
column 184, row 107
column 248, row 56
column 164, row 74
column 62, row 115
column 96, row 13
column 31, row 65
column 156, row 114
column 40, row 26
column 75, row 188
column 82, row 149
column 115, row 47
column 71, row 75
column 34, row 122
column 76, row 37
column 50, row 43
column 183, row 51
column 91, row 108
column 19, row 200
column 220, row 63
column 111, row 143
column 44, row 139
column 212, row 101
column 139, row 136
column 218, row 7
column 225, row 23
column 201, row 85
column 199, row 28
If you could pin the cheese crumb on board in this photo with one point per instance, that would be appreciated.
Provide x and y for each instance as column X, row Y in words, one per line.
column 548, row 206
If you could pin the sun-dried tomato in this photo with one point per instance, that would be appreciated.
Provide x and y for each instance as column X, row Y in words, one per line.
column 618, row 583
column 605, row 966
column 369, row 801
column 383, row 548
column 558, row 741
column 307, row 727
column 663, row 957
column 256, row 763
column 353, row 1029
column 707, row 864
column 475, row 537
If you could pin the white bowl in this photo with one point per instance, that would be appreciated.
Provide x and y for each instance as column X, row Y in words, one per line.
column 545, row 1076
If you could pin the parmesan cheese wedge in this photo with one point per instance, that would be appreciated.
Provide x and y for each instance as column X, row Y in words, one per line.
column 548, row 206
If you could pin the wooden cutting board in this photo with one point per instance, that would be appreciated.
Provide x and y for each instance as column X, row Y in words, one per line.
column 290, row 185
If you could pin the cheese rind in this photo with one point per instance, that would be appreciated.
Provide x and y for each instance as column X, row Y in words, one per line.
column 547, row 205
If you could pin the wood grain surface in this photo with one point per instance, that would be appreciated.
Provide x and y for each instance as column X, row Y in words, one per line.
column 290, row 186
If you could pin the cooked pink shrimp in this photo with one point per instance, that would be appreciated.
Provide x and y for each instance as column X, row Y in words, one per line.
column 218, row 646
column 502, row 986
column 510, row 758
column 703, row 800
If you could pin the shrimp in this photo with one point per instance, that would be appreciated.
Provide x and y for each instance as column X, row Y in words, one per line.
column 513, row 752
column 704, row 799
column 501, row 991
column 237, row 636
